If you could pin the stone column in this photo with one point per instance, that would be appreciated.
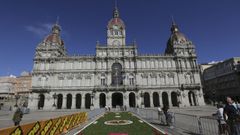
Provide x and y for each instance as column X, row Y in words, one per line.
column 125, row 99
column 73, row 101
column 151, row 99
column 96, row 100
column 160, row 99
column 83, row 102
column 64, row 103
column 170, row 99
column 48, row 102
column 138, row 100
column 108, row 99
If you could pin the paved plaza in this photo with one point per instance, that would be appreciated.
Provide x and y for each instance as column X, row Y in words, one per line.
column 187, row 122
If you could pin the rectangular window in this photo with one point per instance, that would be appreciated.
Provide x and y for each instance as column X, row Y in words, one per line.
column 103, row 81
column 131, row 80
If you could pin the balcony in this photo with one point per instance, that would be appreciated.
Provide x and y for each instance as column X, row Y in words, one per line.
column 191, row 86
column 116, row 88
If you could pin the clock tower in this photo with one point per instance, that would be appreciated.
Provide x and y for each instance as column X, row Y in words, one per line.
column 116, row 35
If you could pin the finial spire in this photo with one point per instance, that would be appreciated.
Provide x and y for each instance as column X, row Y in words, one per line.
column 173, row 21
column 115, row 12
column 174, row 27
column 56, row 28
column 115, row 4
column 57, row 20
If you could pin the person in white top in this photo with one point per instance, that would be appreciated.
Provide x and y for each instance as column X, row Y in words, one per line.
column 160, row 114
column 221, row 122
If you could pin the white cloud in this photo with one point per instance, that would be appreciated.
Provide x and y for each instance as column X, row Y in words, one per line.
column 40, row 30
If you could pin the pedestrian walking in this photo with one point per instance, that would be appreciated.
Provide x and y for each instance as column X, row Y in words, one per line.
column 165, row 111
column 232, row 117
column 17, row 117
column 160, row 115
column 222, row 125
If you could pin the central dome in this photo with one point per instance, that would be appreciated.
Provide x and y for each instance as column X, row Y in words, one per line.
column 116, row 21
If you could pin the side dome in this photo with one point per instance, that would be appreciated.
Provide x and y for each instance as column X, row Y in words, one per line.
column 176, row 36
column 54, row 37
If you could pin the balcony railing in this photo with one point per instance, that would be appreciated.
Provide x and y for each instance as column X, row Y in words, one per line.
column 191, row 86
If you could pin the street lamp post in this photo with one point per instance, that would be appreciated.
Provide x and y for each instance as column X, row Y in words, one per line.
column 16, row 97
column 54, row 97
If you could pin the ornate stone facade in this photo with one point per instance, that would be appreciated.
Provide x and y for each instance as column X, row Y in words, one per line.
column 116, row 75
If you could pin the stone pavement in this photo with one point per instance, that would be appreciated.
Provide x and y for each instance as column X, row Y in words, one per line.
column 6, row 117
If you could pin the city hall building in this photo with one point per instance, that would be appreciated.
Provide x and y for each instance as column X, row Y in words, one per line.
column 117, row 75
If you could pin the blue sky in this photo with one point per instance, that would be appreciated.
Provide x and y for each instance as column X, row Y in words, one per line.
column 212, row 25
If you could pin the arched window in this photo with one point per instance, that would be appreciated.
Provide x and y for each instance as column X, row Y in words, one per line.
column 102, row 100
column 117, row 74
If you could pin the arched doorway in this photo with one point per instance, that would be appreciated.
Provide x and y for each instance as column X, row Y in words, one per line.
column 132, row 100
column 69, row 101
column 87, row 101
column 102, row 102
column 117, row 74
column 165, row 99
column 78, row 101
column 41, row 101
column 146, row 100
column 156, row 99
column 192, row 99
column 59, row 101
column 174, row 99
column 117, row 99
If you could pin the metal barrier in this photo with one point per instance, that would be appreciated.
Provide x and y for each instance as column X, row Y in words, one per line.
column 209, row 126
column 190, row 123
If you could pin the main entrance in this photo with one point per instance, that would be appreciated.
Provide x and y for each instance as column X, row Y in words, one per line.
column 117, row 99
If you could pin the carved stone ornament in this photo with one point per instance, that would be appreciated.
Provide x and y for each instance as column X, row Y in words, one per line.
column 88, row 76
column 70, row 76
column 153, row 75
column 171, row 75
column 78, row 76
column 188, row 74
column 162, row 74
column 61, row 77
column 144, row 75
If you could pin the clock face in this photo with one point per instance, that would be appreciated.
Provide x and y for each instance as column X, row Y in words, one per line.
column 115, row 27
column 116, row 42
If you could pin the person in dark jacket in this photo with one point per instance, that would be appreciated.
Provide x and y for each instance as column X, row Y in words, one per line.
column 165, row 111
column 17, row 117
column 231, row 115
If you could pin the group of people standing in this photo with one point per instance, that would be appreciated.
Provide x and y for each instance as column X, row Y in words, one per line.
column 229, row 117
